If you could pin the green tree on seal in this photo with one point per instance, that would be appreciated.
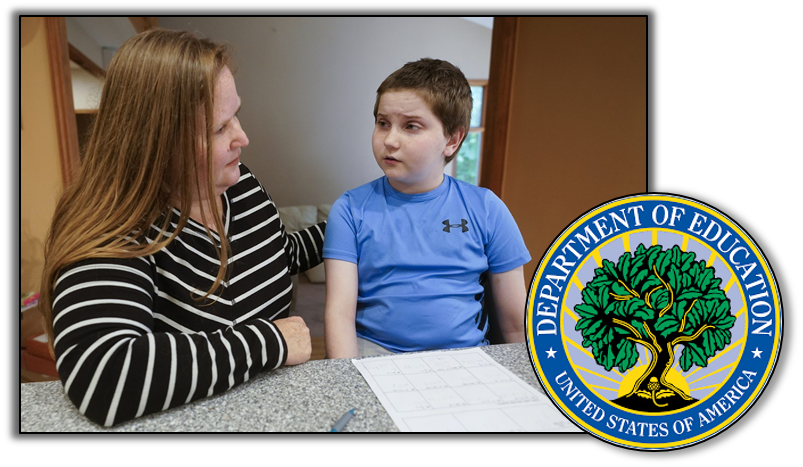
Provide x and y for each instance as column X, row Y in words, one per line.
column 657, row 299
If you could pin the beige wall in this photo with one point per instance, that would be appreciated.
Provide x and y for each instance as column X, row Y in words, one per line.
column 578, row 117
column 308, row 87
column 40, row 167
column 578, row 122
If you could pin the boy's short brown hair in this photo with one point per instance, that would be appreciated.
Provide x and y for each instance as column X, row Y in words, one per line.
column 442, row 86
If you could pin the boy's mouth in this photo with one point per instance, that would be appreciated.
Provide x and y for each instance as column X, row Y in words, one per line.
column 390, row 159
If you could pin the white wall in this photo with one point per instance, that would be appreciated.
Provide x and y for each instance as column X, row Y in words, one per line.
column 308, row 87
column 86, row 88
column 83, row 41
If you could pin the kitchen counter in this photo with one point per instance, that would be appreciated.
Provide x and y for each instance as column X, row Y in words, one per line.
column 306, row 398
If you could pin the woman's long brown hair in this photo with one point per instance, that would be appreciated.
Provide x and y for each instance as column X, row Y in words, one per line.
column 141, row 159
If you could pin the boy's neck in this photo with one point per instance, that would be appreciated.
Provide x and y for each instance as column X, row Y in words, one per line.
column 418, row 187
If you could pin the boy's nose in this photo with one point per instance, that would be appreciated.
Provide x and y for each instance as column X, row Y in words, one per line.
column 392, row 139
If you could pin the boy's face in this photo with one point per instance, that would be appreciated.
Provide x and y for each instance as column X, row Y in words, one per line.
column 409, row 144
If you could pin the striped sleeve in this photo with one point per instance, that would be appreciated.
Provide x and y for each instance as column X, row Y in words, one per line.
column 115, row 367
column 304, row 249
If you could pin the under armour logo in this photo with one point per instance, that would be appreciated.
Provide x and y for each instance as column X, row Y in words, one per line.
column 448, row 227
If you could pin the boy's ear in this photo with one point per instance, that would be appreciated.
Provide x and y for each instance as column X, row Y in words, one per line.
column 454, row 141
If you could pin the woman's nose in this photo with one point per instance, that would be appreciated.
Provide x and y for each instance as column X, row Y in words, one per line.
column 241, row 140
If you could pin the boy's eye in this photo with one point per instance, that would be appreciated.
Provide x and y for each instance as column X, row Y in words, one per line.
column 413, row 126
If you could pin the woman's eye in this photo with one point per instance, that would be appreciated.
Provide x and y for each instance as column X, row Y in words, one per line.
column 221, row 130
column 413, row 126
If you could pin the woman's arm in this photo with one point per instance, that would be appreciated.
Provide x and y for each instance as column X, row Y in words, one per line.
column 510, row 298
column 114, row 365
column 341, row 308
column 304, row 248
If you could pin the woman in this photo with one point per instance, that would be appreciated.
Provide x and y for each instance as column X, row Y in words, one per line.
column 148, row 306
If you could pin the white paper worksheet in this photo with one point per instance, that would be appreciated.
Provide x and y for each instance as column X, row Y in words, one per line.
column 458, row 390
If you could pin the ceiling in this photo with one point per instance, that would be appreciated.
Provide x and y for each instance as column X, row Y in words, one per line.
column 107, row 31
column 486, row 21
column 112, row 31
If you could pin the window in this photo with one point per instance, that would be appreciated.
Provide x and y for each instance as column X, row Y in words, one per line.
column 466, row 166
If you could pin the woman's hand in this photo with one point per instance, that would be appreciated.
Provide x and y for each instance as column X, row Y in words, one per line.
column 296, row 335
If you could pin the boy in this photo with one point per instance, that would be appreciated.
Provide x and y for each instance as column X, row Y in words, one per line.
column 407, row 255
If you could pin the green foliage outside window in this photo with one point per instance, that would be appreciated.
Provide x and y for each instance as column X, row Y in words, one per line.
column 476, row 109
column 467, row 162
column 468, row 159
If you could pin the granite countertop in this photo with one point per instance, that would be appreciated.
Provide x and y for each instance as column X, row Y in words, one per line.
column 306, row 398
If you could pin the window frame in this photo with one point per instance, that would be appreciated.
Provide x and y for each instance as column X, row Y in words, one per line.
column 476, row 129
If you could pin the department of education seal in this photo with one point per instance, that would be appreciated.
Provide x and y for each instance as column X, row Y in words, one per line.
column 654, row 322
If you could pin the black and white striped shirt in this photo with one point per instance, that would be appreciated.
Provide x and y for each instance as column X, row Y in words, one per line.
column 130, row 336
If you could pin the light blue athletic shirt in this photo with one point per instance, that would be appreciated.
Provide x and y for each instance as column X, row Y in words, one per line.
column 420, row 260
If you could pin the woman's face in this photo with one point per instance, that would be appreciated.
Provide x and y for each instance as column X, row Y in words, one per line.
column 228, row 137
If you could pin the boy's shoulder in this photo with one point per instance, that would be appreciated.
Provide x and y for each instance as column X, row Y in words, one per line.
column 468, row 187
column 475, row 195
column 372, row 188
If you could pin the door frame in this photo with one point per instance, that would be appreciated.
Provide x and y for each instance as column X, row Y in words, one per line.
column 61, row 82
column 500, row 87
